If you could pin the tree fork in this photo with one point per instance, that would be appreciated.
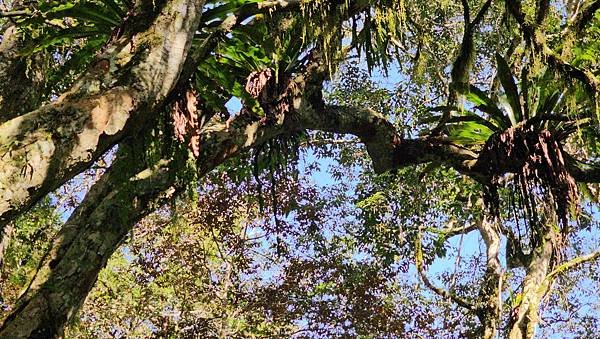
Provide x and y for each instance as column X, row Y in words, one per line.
column 83, row 245
column 41, row 150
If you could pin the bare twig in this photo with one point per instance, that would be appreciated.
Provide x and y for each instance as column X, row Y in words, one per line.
column 13, row 14
column 438, row 290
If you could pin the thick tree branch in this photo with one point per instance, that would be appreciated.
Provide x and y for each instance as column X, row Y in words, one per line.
column 387, row 149
column 541, row 11
column 489, row 306
column 108, row 212
column 13, row 14
column 462, row 65
column 42, row 149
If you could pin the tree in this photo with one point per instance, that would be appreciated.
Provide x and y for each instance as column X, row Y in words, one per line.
column 508, row 99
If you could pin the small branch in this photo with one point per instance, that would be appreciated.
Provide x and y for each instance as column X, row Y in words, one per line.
column 563, row 268
column 13, row 14
column 439, row 291
column 583, row 17
column 466, row 13
column 480, row 14
column 454, row 231
column 323, row 142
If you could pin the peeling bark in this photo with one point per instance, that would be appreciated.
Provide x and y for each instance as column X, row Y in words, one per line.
column 42, row 149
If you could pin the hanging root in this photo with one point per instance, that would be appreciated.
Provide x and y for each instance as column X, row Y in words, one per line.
column 540, row 176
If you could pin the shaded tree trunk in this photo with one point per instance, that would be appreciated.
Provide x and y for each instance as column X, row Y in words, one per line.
column 102, row 221
column 20, row 83
column 83, row 245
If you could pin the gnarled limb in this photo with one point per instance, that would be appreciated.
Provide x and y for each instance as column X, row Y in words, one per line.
column 387, row 149
column 42, row 149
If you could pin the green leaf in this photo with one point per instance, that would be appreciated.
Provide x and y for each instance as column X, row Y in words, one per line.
column 548, row 105
column 469, row 133
column 508, row 109
column 487, row 105
column 60, row 37
column 510, row 88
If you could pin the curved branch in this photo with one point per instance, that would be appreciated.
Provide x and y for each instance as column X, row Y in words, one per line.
column 583, row 17
column 42, row 149
column 571, row 264
column 439, row 291
column 387, row 149
column 14, row 14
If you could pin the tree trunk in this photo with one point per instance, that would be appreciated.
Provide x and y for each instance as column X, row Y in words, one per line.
column 125, row 85
column 101, row 222
column 490, row 301
column 535, row 286
column 83, row 246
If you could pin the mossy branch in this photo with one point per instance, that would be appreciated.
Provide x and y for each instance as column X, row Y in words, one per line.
column 571, row 264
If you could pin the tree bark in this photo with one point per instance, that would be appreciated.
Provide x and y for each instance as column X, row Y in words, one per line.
column 490, row 301
column 122, row 90
column 20, row 87
column 102, row 221
column 83, row 246
column 526, row 312
column 42, row 149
